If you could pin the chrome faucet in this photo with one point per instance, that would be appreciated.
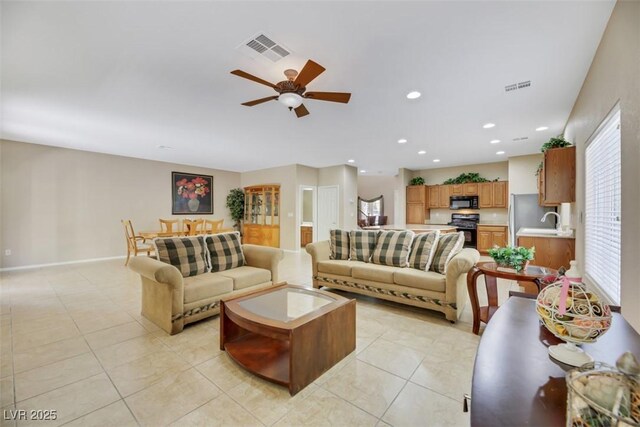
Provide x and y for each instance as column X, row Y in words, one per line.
column 558, row 225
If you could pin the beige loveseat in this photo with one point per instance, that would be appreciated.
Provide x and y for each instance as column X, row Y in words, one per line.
column 426, row 289
column 172, row 301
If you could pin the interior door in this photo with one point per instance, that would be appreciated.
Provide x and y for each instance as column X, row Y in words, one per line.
column 328, row 210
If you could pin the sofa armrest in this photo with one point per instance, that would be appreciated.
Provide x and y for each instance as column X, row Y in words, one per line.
column 319, row 251
column 157, row 271
column 457, row 270
column 263, row 257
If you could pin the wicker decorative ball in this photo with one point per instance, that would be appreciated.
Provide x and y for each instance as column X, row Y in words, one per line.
column 585, row 318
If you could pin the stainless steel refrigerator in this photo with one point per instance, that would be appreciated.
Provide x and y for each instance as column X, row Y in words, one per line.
column 524, row 211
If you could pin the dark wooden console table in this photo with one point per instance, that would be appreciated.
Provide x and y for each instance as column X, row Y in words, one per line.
column 492, row 272
column 516, row 383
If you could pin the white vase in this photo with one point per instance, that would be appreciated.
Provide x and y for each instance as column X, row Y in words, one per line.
column 193, row 205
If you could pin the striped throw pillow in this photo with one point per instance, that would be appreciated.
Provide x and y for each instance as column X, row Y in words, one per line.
column 225, row 251
column 392, row 248
column 449, row 244
column 339, row 244
column 362, row 244
column 423, row 250
column 187, row 254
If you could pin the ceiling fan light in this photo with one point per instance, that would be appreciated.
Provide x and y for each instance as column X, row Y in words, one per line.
column 290, row 100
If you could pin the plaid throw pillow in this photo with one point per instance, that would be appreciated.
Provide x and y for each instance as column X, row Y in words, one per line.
column 392, row 248
column 423, row 250
column 449, row 245
column 187, row 254
column 362, row 244
column 225, row 251
column 339, row 244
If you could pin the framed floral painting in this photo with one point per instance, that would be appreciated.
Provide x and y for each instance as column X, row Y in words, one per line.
column 191, row 194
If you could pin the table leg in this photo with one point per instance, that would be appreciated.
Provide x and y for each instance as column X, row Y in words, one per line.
column 472, row 288
column 491, row 284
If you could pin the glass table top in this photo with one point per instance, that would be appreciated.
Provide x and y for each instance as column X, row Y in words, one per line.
column 286, row 304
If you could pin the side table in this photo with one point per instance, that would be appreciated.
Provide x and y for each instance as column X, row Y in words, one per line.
column 491, row 273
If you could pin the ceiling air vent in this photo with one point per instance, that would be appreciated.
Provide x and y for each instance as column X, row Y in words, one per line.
column 516, row 86
column 263, row 47
column 522, row 138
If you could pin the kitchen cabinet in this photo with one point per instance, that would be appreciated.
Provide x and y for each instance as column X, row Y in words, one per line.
column 434, row 196
column 457, row 190
column 490, row 236
column 416, row 194
column 444, row 192
column 485, row 195
column 499, row 194
column 417, row 204
column 552, row 252
column 470, row 189
column 306, row 235
column 557, row 179
column 493, row 194
column 415, row 213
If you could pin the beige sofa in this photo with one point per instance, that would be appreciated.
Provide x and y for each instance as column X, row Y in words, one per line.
column 426, row 289
column 172, row 301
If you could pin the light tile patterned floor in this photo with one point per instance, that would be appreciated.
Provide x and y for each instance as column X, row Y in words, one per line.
column 72, row 340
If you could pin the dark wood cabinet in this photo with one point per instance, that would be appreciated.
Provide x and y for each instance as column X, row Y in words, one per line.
column 557, row 179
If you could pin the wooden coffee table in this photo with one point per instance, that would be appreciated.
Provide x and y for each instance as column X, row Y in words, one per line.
column 288, row 334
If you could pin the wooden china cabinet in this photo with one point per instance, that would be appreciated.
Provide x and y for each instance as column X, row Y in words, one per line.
column 262, row 215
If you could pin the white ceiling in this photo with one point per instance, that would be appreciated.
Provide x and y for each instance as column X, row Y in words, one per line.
column 126, row 77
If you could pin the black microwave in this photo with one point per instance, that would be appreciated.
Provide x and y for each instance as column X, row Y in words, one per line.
column 463, row 202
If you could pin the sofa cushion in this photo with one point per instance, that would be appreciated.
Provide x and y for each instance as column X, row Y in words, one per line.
column 205, row 286
column 339, row 244
column 449, row 244
column 374, row 272
column 244, row 277
column 427, row 280
column 362, row 244
column 187, row 254
column 423, row 249
column 225, row 251
column 339, row 268
column 392, row 248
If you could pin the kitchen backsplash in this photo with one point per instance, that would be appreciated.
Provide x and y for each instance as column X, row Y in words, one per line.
column 487, row 216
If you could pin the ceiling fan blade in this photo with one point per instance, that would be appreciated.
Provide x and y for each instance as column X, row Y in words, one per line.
column 301, row 111
column 329, row 96
column 310, row 71
column 248, row 76
column 259, row 101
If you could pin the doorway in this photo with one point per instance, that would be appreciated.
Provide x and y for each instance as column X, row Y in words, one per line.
column 307, row 215
column 328, row 210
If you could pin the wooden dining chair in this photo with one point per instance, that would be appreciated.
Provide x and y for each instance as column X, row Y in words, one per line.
column 166, row 226
column 135, row 244
column 192, row 227
column 213, row 227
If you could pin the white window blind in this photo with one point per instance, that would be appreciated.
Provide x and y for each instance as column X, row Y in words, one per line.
column 602, row 208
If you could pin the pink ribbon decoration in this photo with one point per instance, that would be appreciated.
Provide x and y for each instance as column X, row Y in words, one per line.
column 564, row 294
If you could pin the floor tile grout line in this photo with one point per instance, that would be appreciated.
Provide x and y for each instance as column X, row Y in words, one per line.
column 352, row 404
column 393, row 401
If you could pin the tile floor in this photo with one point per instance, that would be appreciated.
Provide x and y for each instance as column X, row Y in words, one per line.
column 72, row 340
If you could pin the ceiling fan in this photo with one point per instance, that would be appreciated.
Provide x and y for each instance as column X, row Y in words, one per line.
column 293, row 90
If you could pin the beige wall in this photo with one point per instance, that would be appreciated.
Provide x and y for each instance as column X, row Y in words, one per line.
column 307, row 206
column 61, row 205
column 614, row 77
column 490, row 171
column 374, row 186
column 522, row 174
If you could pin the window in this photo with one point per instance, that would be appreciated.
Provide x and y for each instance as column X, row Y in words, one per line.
column 602, row 208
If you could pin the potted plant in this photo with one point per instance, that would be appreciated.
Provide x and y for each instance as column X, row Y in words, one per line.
column 512, row 257
column 557, row 142
column 464, row 178
column 235, row 203
column 417, row 181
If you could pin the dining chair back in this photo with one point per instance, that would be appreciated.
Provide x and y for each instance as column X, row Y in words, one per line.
column 192, row 227
column 213, row 227
column 135, row 244
column 166, row 226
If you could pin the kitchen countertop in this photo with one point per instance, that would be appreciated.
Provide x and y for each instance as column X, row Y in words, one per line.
column 413, row 227
column 551, row 236
column 492, row 224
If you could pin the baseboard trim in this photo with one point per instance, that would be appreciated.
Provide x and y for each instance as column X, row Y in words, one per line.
column 54, row 264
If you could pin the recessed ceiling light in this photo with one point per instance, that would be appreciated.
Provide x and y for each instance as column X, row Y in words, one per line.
column 363, row 171
column 541, row 128
column 488, row 125
column 494, row 141
column 165, row 147
column 402, row 141
column 422, row 152
column 499, row 153
column 351, row 161
column 436, row 160
column 414, row 95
